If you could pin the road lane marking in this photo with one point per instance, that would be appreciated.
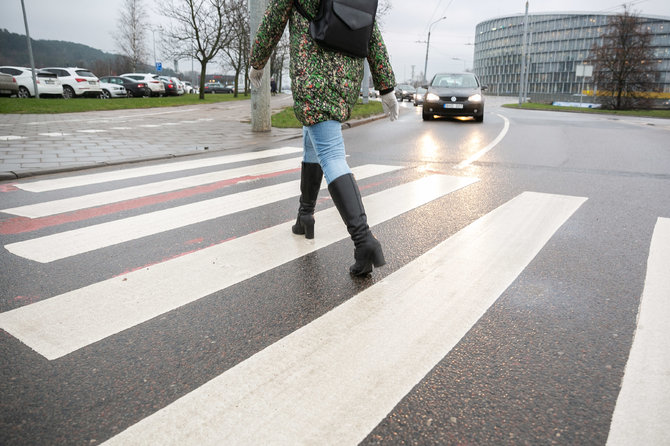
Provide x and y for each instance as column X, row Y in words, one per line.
column 11, row 137
column 54, row 134
column 333, row 380
column 137, row 172
column 129, row 193
column 60, row 325
column 485, row 150
column 642, row 407
column 69, row 243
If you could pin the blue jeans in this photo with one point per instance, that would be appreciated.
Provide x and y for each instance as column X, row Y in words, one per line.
column 323, row 144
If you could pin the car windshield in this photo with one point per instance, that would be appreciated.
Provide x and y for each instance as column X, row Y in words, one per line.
column 455, row 81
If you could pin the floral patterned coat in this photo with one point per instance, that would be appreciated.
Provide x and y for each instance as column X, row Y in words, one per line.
column 325, row 83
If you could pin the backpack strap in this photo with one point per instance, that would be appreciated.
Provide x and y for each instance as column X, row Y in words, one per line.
column 301, row 10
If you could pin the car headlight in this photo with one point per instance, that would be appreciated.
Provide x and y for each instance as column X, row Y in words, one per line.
column 432, row 97
column 475, row 98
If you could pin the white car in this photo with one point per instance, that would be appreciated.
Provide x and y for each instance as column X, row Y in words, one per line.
column 77, row 81
column 48, row 83
column 112, row 91
column 152, row 80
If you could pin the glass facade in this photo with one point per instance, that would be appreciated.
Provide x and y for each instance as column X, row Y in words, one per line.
column 556, row 44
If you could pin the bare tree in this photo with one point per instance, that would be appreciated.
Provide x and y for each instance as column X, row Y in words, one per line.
column 278, row 59
column 131, row 32
column 624, row 62
column 383, row 8
column 198, row 30
column 236, row 53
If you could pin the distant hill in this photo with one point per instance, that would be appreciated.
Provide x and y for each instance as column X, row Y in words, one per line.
column 14, row 51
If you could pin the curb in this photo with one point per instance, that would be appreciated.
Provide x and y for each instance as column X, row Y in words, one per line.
column 15, row 175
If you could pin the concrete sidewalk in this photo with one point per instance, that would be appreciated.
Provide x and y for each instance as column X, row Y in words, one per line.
column 40, row 144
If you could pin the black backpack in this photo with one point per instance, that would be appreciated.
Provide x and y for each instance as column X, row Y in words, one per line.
column 343, row 25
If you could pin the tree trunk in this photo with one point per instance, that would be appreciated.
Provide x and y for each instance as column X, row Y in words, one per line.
column 203, row 73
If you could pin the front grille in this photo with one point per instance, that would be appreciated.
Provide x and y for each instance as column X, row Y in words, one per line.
column 458, row 98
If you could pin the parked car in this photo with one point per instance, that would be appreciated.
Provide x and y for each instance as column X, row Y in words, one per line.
column 48, row 83
column 171, row 87
column 8, row 85
column 77, row 82
column 180, row 85
column 404, row 91
column 217, row 87
column 188, row 88
column 152, row 80
column 418, row 96
column 133, row 87
column 112, row 90
column 454, row 94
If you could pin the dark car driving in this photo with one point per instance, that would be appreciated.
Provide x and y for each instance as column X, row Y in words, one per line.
column 216, row 87
column 404, row 92
column 136, row 89
column 454, row 94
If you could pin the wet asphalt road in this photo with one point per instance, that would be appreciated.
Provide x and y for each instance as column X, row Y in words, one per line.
column 543, row 365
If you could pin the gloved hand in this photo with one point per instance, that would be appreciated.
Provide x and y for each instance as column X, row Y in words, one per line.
column 390, row 105
column 255, row 77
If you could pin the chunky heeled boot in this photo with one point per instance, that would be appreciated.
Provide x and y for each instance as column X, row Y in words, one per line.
column 367, row 249
column 310, row 183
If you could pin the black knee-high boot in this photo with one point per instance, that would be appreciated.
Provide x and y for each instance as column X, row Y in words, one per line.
column 347, row 198
column 310, row 183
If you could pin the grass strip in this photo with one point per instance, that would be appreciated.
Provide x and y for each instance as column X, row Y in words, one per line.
column 286, row 118
column 44, row 105
column 641, row 113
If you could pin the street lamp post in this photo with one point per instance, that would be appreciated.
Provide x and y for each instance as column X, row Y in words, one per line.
column 153, row 33
column 30, row 52
column 425, row 66
column 458, row 58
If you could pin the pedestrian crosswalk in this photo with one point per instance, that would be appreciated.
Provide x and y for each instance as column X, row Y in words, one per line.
column 338, row 376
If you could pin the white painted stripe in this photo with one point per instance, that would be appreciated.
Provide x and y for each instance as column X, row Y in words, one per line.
column 11, row 137
column 485, row 150
column 54, row 134
column 65, row 244
column 95, row 178
column 332, row 381
column 60, row 325
column 92, row 131
column 641, row 411
column 144, row 190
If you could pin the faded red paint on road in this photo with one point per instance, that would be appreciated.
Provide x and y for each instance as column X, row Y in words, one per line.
column 18, row 225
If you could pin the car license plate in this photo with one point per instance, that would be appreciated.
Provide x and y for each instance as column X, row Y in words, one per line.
column 453, row 105
column 93, row 82
column 48, row 81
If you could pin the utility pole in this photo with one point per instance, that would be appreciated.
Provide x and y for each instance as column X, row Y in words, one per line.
column 365, row 84
column 260, row 97
column 522, row 77
column 30, row 52
column 425, row 66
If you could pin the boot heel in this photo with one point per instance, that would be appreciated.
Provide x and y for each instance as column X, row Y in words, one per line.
column 378, row 257
column 309, row 230
column 304, row 225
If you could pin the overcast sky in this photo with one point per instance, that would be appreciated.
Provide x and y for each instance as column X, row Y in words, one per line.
column 405, row 28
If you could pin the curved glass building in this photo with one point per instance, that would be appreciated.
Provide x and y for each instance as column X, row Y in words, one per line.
column 556, row 44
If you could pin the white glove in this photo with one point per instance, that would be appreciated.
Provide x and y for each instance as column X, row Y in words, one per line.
column 390, row 105
column 255, row 77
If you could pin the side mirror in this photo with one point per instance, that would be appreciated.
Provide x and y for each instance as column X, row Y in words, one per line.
column 484, row 88
column 425, row 86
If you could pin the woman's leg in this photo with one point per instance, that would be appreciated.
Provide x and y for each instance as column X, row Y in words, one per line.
column 310, row 184
column 328, row 145
column 326, row 138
